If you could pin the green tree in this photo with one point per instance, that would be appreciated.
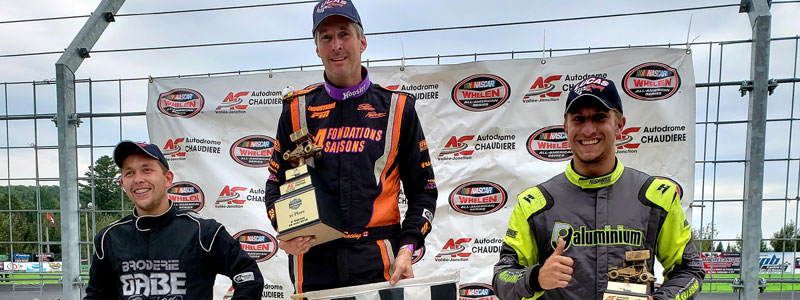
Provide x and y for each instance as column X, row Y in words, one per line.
column 728, row 248
column 719, row 247
column 107, row 190
column 703, row 237
column 788, row 231
column 737, row 248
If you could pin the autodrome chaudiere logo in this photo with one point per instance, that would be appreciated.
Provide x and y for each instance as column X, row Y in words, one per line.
column 478, row 198
column 461, row 249
column 186, row 195
column 550, row 144
column 463, row 147
column 419, row 91
column 476, row 291
column 542, row 90
column 481, row 92
column 651, row 81
column 238, row 102
column 233, row 196
column 261, row 246
column 632, row 138
column 178, row 148
column 182, row 103
column 253, row 151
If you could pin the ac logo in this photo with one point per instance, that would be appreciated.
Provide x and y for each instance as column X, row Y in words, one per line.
column 173, row 148
column 457, row 146
column 455, row 248
column 542, row 87
column 233, row 101
column 624, row 139
column 231, row 195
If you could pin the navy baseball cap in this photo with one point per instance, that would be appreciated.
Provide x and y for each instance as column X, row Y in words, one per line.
column 597, row 88
column 327, row 8
column 126, row 148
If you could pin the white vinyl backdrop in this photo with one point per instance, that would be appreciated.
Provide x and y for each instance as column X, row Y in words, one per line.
column 478, row 118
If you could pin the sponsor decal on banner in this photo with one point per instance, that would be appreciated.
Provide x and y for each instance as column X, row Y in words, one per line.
column 186, row 195
column 624, row 140
column 260, row 245
column 550, row 144
column 721, row 262
column 238, row 102
column 272, row 291
column 478, row 198
column 632, row 138
column 460, row 249
column 177, row 148
column 476, row 291
column 481, row 92
column 182, row 103
column 543, row 90
column 253, row 151
column 651, row 81
column 422, row 91
column 417, row 255
column 457, row 148
column 233, row 196
column 772, row 263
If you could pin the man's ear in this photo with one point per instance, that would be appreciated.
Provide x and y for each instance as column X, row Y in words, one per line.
column 363, row 43
column 169, row 176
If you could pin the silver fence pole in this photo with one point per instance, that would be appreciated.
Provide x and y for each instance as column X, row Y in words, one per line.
column 67, row 122
column 760, row 19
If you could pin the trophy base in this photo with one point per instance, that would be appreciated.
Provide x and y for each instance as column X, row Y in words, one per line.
column 319, row 230
column 626, row 291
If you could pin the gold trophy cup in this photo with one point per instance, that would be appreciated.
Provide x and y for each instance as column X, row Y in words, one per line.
column 632, row 280
column 302, row 209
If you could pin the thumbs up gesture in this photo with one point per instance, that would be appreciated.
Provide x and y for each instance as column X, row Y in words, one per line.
column 557, row 269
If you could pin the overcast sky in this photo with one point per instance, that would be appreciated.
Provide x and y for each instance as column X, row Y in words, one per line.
column 294, row 21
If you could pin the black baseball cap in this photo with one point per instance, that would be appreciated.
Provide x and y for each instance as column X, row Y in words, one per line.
column 327, row 8
column 597, row 88
column 126, row 148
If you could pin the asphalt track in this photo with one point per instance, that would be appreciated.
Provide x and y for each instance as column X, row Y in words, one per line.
column 53, row 291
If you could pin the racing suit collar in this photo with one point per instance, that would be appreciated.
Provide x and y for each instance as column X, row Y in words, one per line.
column 145, row 223
column 594, row 182
column 357, row 90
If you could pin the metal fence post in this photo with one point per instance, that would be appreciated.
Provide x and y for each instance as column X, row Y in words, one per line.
column 67, row 122
column 760, row 19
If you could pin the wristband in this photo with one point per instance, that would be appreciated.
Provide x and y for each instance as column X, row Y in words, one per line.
column 410, row 247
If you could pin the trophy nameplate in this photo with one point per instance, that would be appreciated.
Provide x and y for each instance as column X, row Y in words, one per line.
column 302, row 209
column 632, row 280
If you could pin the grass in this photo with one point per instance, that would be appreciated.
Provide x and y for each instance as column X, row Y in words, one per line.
column 771, row 287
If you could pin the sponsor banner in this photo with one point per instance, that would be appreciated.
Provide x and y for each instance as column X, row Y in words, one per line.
column 768, row 262
column 476, row 291
column 260, row 245
column 492, row 128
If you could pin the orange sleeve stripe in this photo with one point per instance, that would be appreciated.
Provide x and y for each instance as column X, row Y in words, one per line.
column 299, row 278
column 385, row 258
column 384, row 209
column 295, row 107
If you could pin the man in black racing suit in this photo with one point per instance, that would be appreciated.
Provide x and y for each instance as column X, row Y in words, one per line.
column 372, row 140
column 160, row 251
column 565, row 233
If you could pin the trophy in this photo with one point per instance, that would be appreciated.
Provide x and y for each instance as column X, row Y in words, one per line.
column 632, row 280
column 302, row 209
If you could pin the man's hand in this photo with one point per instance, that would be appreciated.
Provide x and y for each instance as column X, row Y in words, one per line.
column 298, row 245
column 402, row 266
column 557, row 269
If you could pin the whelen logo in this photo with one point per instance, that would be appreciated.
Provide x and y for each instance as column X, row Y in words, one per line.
column 550, row 144
column 182, row 103
column 481, row 92
column 542, row 90
column 651, row 81
column 186, row 195
column 260, row 245
column 173, row 148
column 253, row 151
column 478, row 198
column 233, row 102
column 230, row 195
column 476, row 291
column 456, row 146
